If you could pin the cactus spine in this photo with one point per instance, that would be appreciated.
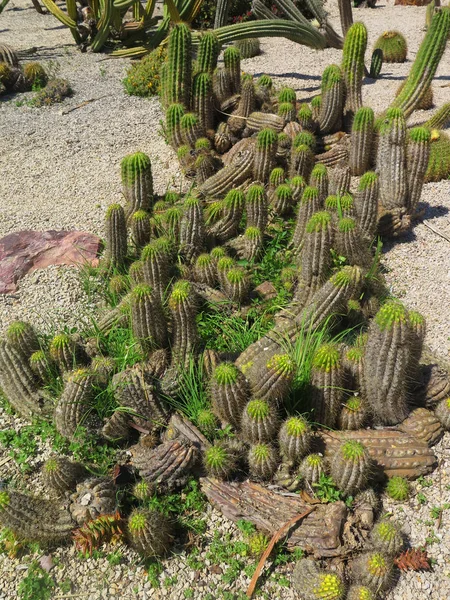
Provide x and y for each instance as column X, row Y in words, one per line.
column 386, row 363
column 229, row 392
column 179, row 65
column 361, row 140
column 137, row 183
column 353, row 68
column 266, row 147
column 417, row 157
column 391, row 160
column 425, row 63
column 115, row 236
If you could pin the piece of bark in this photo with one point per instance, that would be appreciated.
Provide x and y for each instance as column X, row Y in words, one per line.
column 181, row 427
column 320, row 533
column 392, row 451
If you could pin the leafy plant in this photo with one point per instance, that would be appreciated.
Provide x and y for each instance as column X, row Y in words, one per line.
column 36, row 585
column 143, row 77
column 326, row 489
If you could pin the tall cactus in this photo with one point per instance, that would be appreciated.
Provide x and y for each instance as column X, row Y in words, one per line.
column 319, row 180
column 391, row 160
column 256, row 207
column 208, row 53
column 425, row 64
column 183, row 308
column 229, row 392
column 179, row 65
column 137, row 182
column 147, row 318
column 221, row 16
column 366, row 204
column 266, row 147
column 156, row 258
column 232, row 61
column 202, row 100
column 309, row 204
column 316, row 255
column 174, row 114
column 331, row 99
column 353, row 68
column 417, row 157
column 22, row 336
column 361, row 140
column 115, row 236
column 386, row 364
column 233, row 206
column 192, row 229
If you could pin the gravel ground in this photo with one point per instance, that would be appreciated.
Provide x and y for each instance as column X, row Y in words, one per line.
column 62, row 170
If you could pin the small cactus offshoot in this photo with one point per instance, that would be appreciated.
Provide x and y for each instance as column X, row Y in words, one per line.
column 262, row 461
column 149, row 532
column 386, row 537
column 220, row 461
column 398, row 488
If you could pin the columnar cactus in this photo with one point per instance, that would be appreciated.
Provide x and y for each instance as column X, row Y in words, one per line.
column 287, row 111
column 233, row 207
column 331, row 99
column 19, row 382
column 237, row 284
column 376, row 64
column 311, row 468
column 192, row 229
column 205, row 167
column 425, row 64
column 260, row 421
column 315, row 584
column 191, row 129
column 183, row 308
column 302, row 161
column 252, row 244
column 417, row 327
column 417, row 157
column 222, row 85
column 349, row 243
column 274, row 378
column 353, row 68
column 204, row 270
column 232, row 61
column 256, row 207
column 295, row 439
column 178, row 82
column 73, row 410
column 115, row 236
column 305, row 118
column 266, row 147
column 366, row 204
column 208, row 52
column 440, row 119
column 361, row 140
column 65, row 351
column 42, row 365
column 155, row 265
column 391, row 160
column 319, row 180
column 262, row 461
column 224, row 265
column 202, row 100
column 222, row 138
column 140, row 228
column 22, row 337
column 339, row 180
column 147, row 318
column 34, row 519
column 327, row 385
column 61, row 475
column 309, row 204
column 298, row 186
column 149, row 532
column 245, row 107
column 230, row 176
column 229, row 392
column 277, row 177
column 174, row 114
column 373, row 569
column 354, row 414
column 316, row 255
column 282, row 200
column 350, row 467
column 386, row 537
column 137, row 182
column 259, row 120
column 220, row 461
column 386, row 363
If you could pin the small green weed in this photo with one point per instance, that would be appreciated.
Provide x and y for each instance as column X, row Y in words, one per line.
column 326, row 489
column 36, row 585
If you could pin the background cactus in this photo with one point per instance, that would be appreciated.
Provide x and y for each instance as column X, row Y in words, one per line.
column 229, row 392
column 149, row 532
column 350, row 467
column 355, row 44
column 174, row 114
column 249, row 47
column 178, row 81
column 137, row 182
column 393, row 46
column 208, row 53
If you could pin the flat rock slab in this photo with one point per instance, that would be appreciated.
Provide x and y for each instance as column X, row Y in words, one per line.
column 320, row 533
column 25, row 251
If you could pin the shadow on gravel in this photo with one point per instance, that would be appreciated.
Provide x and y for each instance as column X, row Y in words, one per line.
column 290, row 75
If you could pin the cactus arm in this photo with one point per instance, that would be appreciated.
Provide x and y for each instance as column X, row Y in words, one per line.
column 427, row 60
column 59, row 14
column 173, row 11
column 107, row 15
column 261, row 11
column 191, row 10
column 301, row 33
column 291, row 11
column 332, row 38
column 72, row 12
column 222, row 10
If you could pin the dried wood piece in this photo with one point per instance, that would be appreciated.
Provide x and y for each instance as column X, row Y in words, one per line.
column 320, row 532
column 394, row 452
column 423, row 425
column 180, row 427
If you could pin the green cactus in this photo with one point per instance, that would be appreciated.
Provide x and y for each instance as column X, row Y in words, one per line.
column 222, row 85
column 302, row 161
column 232, row 61
column 417, row 158
column 35, row 75
column 220, row 461
column 287, row 94
column 192, row 229
column 295, row 439
column 374, row 570
column 350, row 467
column 425, row 63
column 266, row 147
column 256, row 207
column 224, row 264
column 230, row 176
column 311, row 469
column 349, row 243
column 353, row 414
column 174, row 114
column 172, row 220
column 360, row 592
column 273, row 381
column 439, row 161
column 208, row 52
column 229, row 392
column 205, row 167
column 34, row 519
column 376, row 64
column 204, row 270
column 316, row 255
column 393, row 47
column 391, row 160
column 222, row 12
column 65, row 352
column 361, row 140
column 331, row 103
column 246, row 106
column 309, row 204
column 262, row 461
column 314, row 584
column 140, row 228
column 147, row 318
column 22, row 337
column 207, row 422
column 183, row 308
column 60, row 475
column 305, row 138
column 179, row 62
column 305, row 117
column 387, row 538
column 248, row 47
column 191, row 129
column 387, row 358
column 288, row 111
column 42, row 365
column 115, row 236
column 440, row 119
column 282, row 200
column 142, row 490
column 74, row 408
column 340, row 180
column 298, row 186
column 155, row 259
column 326, row 385
column 366, row 204
column 319, row 180
column 149, row 532
column 353, row 68
column 398, row 488
column 137, row 182
column 103, row 367
column 202, row 101
column 237, row 284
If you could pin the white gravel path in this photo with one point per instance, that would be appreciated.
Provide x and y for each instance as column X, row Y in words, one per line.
column 62, row 170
